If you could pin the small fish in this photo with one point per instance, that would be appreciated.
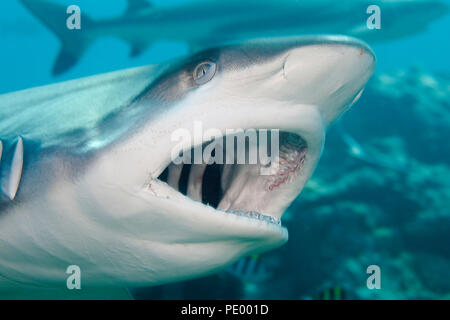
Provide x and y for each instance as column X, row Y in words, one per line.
column 250, row 269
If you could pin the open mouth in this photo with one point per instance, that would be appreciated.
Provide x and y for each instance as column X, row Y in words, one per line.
column 260, row 189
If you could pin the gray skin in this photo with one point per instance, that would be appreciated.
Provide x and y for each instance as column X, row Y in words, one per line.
column 205, row 24
column 89, row 192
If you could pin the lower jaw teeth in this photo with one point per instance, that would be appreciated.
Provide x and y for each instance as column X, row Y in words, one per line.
column 254, row 215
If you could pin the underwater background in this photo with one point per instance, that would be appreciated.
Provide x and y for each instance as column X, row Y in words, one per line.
column 380, row 194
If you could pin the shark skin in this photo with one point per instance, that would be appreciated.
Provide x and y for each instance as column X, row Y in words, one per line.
column 203, row 24
column 90, row 151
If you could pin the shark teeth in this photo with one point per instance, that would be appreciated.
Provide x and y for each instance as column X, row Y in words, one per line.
column 255, row 215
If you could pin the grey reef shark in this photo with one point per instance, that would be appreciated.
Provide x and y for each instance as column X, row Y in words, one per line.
column 82, row 162
column 203, row 24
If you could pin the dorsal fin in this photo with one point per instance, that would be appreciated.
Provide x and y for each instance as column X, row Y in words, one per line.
column 136, row 5
column 12, row 172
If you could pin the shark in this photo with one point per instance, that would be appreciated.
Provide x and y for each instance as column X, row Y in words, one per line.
column 82, row 162
column 207, row 23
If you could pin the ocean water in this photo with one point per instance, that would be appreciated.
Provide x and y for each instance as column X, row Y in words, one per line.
column 29, row 49
column 380, row 194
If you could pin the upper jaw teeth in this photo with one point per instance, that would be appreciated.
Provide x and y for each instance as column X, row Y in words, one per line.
column 255, row 215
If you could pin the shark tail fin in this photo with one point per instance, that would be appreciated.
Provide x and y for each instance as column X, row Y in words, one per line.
column 73, row 41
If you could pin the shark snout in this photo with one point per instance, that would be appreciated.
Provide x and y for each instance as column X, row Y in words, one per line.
column 330, row 75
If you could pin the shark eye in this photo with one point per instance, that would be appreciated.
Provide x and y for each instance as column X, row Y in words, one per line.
column 204, row 72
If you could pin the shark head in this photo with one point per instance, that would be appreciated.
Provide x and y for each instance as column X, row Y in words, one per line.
column 181, row 221
column 133, row 217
